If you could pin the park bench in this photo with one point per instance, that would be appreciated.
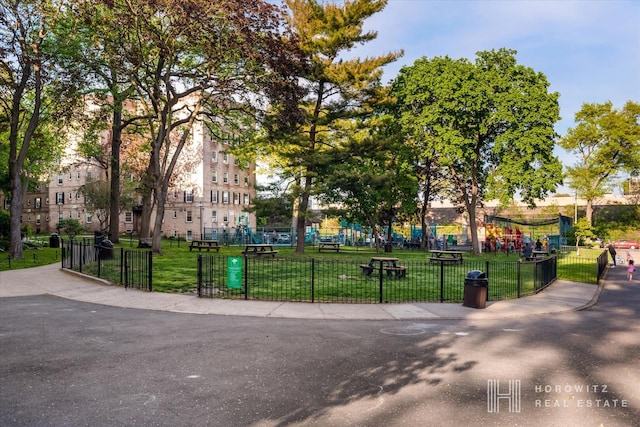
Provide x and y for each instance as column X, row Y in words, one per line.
column 328, row 246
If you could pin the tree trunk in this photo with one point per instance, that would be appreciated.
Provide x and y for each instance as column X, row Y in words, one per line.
column 145, row 216
column 15, row 245
column 114, row 197
column 161, row 197
column 423, row 219
column 302, row 216
column 589, row 212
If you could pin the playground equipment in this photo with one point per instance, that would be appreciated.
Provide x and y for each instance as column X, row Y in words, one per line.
column 509, row 233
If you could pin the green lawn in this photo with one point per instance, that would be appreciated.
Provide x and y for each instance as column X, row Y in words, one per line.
column 175, row 270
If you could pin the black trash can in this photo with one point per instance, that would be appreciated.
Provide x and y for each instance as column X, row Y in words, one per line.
column 105, row 250
column 54, row 240
column 98, row 237
column 388, row 247
column 475, row 289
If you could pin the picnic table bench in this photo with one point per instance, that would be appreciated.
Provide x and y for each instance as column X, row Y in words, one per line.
column 388, row 264
column 259, row 250
column 444, row 256
column 328, row 246
column 204, row 244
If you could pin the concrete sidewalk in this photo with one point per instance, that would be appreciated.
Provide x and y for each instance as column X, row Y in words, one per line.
column 561, row 296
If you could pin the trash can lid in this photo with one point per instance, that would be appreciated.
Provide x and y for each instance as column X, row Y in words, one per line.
column 476, row 274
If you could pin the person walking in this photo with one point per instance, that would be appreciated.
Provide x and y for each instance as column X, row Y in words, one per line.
column 630, row 269
column 612, row 252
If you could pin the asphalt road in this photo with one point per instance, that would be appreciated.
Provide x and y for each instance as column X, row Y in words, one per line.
column 67, row 363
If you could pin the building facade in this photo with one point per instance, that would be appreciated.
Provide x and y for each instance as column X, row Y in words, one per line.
column 208, row 200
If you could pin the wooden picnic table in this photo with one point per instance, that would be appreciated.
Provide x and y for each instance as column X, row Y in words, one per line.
column 204, row 244
column 443, row 256
column 537, row 255
column 328, row 246
column 390, row 265
column 259, row 249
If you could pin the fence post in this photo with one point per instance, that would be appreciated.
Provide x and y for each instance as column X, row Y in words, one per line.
column 313, row 279
column 519, row 279
column 199, row 275
column 441, row 281
column 122, row 256
column 486, row 270
column 126, row 271
column 381, row 282
column 150, row 255
column 246, row 277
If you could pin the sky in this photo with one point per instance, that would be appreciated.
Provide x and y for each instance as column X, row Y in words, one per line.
column 588, row 50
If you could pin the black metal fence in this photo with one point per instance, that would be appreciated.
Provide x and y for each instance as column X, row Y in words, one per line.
column 131, row 268
column 316, row 280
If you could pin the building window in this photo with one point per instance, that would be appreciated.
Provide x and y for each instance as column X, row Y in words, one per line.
column 236, row 179
column 225, row 217
column 70, row 176
column 38, row 220
column 79, row 215
column 214, row 156
column 236, row 198
column 78, row 176
column 214, row 216
column 214, row 176
column 60, row 179
column 128, row 217
column 175, row 214
column 89, row 217
column 59, row 216
column 70, row 215
column 214, row 196
column 246, row 199
column 189, row 216
column 189, row 197
column 78, row 195
column 60, row 198
column 38, row 203
column 225, row 158
column 89, row 175
column 70, row 195
column 246, row 180
column 46, row 217
column 46, row 200
column 225, row 178
column 225, row 197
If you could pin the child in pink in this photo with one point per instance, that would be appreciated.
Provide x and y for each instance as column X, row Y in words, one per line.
column 630, row 269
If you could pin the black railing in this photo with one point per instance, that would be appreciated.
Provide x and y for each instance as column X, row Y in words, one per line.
column 131, row 268
column 319, row 280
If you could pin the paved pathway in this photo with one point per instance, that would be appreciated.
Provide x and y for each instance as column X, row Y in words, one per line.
column 561, row 296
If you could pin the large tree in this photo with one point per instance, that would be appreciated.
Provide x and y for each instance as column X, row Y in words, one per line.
column 99, row 40
column 36, row 96
column 491, row 123
column 371, row 177
column 199, row 60
column 336, row 89
column 606, row 142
